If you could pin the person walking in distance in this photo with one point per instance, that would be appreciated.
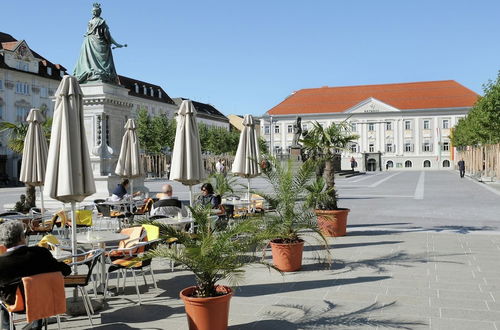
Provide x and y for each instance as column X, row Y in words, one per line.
column 461, row 167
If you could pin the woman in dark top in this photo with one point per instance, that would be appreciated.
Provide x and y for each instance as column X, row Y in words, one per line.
column 208, row 197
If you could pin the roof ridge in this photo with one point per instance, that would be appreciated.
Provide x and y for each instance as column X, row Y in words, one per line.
column 372, row 85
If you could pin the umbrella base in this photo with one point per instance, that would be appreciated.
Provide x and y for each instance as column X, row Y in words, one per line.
column 75, row 306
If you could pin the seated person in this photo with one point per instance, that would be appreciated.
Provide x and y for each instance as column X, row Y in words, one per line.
column 208, row 197
column 121, row 193
column 20, row 261
column 167, row 205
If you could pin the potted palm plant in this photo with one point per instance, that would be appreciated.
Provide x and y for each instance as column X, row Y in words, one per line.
column 292, row 218
column 324, row 144
column 212, row 257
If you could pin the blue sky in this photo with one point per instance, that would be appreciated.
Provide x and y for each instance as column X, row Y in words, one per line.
column 247, row 56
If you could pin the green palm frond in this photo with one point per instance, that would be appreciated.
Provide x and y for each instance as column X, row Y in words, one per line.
column 210, row 255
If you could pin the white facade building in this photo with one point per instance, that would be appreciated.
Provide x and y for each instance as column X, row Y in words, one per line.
column 400, row 126
column 27, row 80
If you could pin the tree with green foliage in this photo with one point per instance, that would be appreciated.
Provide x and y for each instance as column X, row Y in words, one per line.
column 482, row 124
column 16, row 134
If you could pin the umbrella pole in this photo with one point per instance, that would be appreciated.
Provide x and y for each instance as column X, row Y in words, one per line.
column 41, row 201
column 73, row 235
column 190, row 196
column 248, row 195
column 131, row 193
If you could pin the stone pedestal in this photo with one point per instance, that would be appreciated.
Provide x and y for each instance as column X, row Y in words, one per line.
column 106, row 109
column 295, row 153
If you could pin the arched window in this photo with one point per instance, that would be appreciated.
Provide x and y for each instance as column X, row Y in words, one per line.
column 408, row 163
column 389, row 164
column 427, row 163
column 446, row 163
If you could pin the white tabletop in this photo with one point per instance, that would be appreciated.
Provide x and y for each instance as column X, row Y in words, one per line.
column 60, row 255
column 174, row 221
column 100, row 237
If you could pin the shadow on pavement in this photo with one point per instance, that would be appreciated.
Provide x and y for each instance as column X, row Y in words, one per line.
column 303, row 317
column 379, row 224
column 174, row 285
column 401, row 259
column 372, row 232
column 273, row 288
column 139, row 314
column 349, row 245
column 120, row 326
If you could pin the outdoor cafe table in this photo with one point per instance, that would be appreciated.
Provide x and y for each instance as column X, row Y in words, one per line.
column 60, row 255
column 101, row 238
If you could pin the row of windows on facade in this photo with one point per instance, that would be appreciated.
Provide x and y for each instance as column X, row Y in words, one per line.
column 25, row 66
column 445, row 123
column 145, row 90
column 24, row 89
column 408, row 147
column 21, row 113
column 409, row 164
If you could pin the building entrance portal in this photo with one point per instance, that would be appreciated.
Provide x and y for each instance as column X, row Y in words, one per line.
column 371, row 165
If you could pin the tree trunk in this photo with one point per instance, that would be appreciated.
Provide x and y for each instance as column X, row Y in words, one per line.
column 329, row 176
column 30, row 196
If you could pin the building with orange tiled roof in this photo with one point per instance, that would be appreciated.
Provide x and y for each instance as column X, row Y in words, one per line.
column 402, row 125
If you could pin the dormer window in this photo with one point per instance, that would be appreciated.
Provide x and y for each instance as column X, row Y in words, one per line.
column 61, row 73
column 49, row 71
column 145, row 89
column 159, row 93
column 136, row 88
column 152, row 92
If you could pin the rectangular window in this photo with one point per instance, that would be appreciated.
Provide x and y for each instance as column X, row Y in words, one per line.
column 371, row 126
column 388, row 147
column 289, row 128
column 354, row 127
column 49, row 71
column 22, row 88
column 1, row 111
column 21, row 113
column 408, row 147
column 427, row 124
column 266, row 129
column 354, row 148
column 44, row 92
column 1, row 84
column 276, row 129
column 388, row 126
column 407, row 124
column 446, row 123
column 371, row 147
column 446, row 146
column 427, row 147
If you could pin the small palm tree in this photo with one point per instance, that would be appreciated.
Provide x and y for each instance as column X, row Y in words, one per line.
column 16, row 136
column 292, row 219
column 212, row 256
column 325, row 144
column 223, row 184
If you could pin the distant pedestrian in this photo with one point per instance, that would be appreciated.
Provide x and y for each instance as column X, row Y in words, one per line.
column 353, row 163
column 218, row 166
column 461, row 167
column 387, row 166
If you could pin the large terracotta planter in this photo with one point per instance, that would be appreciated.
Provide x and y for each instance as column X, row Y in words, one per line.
column 287, row 257
column 332, row 222
column 207, row 313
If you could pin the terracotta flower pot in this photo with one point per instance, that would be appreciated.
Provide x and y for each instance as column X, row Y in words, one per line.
column 332, row 222
column 287, row 257
column 209, row 313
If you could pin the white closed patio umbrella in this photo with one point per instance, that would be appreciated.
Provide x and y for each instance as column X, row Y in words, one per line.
column 34, row 162
column 129, row 162
column 247, row 159
column 69, row 176
column 187, row 164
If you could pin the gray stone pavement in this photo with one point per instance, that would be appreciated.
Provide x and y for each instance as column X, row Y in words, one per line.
column 422, row 252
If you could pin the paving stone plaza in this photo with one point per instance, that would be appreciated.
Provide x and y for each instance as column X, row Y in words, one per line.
column 422, row 252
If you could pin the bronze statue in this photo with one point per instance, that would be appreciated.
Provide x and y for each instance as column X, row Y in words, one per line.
column 96, row 60
column 297, row 132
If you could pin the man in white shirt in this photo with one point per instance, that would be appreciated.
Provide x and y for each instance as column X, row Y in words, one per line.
column 167, row 205
column 219, row 167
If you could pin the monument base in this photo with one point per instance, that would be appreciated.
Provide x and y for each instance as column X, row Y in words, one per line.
column 296, row 153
